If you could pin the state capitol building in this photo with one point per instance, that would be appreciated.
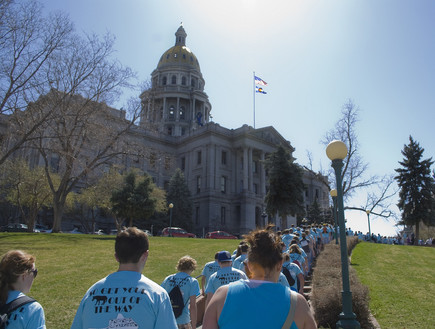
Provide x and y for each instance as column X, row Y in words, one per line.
column 223, row 167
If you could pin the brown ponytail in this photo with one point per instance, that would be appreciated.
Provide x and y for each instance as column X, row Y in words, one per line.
column 265, row 247
column 13, row 264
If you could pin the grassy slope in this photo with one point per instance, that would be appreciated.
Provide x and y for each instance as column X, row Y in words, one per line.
column 401, row 280
column 69, row 264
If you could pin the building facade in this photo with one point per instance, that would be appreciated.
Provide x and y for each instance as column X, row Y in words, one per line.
column 224, row 168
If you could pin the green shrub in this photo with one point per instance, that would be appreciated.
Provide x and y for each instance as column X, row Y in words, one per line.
column 327, row 286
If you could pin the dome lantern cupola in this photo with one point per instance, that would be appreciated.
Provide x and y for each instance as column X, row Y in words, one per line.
column 180, row 36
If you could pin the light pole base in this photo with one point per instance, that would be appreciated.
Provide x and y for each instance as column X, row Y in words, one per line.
column 347, row 322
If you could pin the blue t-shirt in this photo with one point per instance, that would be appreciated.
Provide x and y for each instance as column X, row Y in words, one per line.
column 209, row 269
column 222, row 277
column 283, row 280
column 28, row 316
column 238, row 262
column 123, row 299
column 255, row 304
column 189, row 287
column 294, row 272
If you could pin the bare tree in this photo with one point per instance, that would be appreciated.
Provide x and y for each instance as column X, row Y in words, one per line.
column 354, row 169
column 81, row 133
column 379, row 200
column 28, row 41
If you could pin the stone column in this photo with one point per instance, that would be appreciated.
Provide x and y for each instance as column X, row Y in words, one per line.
column 245, row 169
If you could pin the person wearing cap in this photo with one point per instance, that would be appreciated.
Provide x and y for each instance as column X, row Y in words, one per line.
column 224, row 275
column 238, row 262
column 209, row 269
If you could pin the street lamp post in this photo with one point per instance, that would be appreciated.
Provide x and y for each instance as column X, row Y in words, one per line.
column 336, row 152
column 171, row 205
column 334, row 200
column 263, row 216
column 368, row 220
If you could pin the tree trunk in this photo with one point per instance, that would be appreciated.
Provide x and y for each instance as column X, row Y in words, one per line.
column 58, row 208
column 417, row 233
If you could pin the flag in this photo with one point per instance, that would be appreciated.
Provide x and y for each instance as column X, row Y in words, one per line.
column 259, row 81
column 260, row 90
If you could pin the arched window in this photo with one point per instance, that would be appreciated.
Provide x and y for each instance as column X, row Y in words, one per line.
column 164, row 81
column 193, row 82
column 182, row 113
column 174, row 80
column 171, row 115
column 183, row 81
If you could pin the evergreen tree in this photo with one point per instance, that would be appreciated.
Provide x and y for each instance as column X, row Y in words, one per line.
column 416, row 196
column 180, row 196
column 285, row 185
column 314, row 213
column 134, row 201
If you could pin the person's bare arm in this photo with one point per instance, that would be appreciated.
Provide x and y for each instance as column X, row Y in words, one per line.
column 304, row 318
column 214, row 308
column 301, row 283
column 193, row 311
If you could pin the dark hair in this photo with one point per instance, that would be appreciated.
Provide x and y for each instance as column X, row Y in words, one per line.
column 13, row 264
column 294, row 249
column 130, row 244
column 265, row 248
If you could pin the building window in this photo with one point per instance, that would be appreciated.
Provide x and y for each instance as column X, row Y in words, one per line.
column 224, row 158
column 182, row 113
column 174, row 80
column 255, row 167
column 153, row 158
column 198, row 184
column 199, row 157
column 164, row 81
column 255, row 188
column 197, row 215
column 241, row 185
column 171, row 116
column 183, row 81
column 170, row 130
column 223, row 184
column 306, row 193
column 54, row 163
column 167, row 163
column 193, row 83
column 183, row 131
column 183, row 163
column 317, row 194
column 223, row 216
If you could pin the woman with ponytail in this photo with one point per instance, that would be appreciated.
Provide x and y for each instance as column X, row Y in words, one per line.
column 259, row 302
column 17, row 272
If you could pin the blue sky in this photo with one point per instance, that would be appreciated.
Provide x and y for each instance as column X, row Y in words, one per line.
column 315, row 55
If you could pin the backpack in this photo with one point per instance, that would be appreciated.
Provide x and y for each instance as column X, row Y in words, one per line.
column 176, row 297
column 289, row 277
column 8, row 308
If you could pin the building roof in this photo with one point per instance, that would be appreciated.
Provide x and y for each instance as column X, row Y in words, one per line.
column 179, row 55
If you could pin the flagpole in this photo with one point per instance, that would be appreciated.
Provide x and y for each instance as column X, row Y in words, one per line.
column 253, row 90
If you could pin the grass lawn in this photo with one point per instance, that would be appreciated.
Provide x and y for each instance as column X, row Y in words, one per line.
column 401, row 280
column 68, row 264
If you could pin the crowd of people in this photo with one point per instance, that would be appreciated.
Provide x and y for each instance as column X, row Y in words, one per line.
column 259, row 285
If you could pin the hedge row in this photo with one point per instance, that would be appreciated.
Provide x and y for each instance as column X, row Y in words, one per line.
column 327, row 288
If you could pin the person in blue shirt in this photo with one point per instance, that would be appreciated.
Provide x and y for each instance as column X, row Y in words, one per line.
column 224, row 275
column 189, row 289
column 209, row 269
column 259, row 302
column 17, row 273
column 126, row 298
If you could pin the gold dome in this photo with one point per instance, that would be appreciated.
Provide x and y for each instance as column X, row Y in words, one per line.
column 179, row 55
